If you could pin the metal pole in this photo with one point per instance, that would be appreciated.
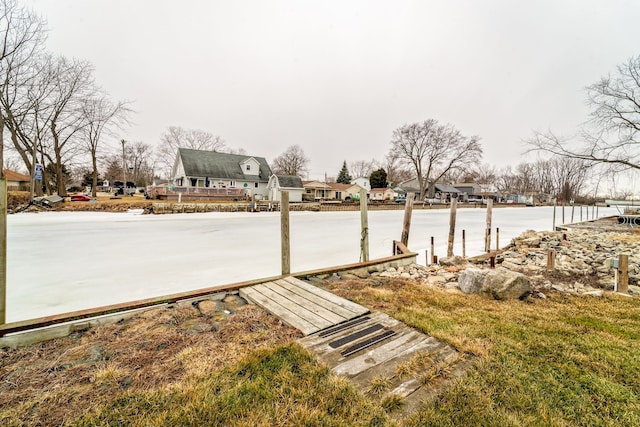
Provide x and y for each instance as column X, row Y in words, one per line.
column 464, row 245
column 433, row 251
column 124, row 172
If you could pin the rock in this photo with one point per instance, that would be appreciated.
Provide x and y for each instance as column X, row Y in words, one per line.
column 209, row 308
column 510, row 265
column 504, row 284
column 471, row 280
column 233, row 302
column 498, row 284
column 195, row 326
column 596, row 293
column 436, row 280
column 405, row 275
column 453, row 261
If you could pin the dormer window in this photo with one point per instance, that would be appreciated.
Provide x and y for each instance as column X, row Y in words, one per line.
column 248, row 167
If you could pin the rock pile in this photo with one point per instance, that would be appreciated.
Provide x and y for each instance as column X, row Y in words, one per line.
column 582, row 266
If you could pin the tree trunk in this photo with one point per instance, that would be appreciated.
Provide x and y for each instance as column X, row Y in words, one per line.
column 94, row 185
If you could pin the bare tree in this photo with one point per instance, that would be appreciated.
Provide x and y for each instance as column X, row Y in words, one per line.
column 614, row 135
column 292, row 162
column 432, row 150
column 362, row 168
column 397, row 171
column 139, row 159
column 22, row 35
column 177, row 137
column 100, row 115
column 72, row 82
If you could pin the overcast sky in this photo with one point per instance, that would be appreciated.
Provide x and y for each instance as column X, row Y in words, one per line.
column 337, row 77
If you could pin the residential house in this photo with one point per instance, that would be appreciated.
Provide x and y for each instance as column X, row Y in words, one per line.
column 339, row 191
column 290, row 183
column 209, row 169
column 315, row 190
column 17, row 181
column 467, row 189
column 382, row 194
column 363, row 182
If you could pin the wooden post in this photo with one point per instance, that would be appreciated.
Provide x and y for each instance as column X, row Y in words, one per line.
column 586, row 209
column 551, row 260
column 464, row 245
column 284, row 233
column 3, row 250
column 573, row 208
column 563, row 212
column 497, row 239
column 433, row 251
column 554, row 216
column 406, row 224
column 364, row 224
column 452, row 227
column 492, row 261
column 580, row 213
column 487, row 239
column 623, row 274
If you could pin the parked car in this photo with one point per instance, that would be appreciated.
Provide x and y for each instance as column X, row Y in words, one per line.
column 431, row 201
column 475, row 199
column 401, row 200
column 80, row 198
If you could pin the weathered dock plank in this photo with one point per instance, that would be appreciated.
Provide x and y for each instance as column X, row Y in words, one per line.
column 356, row 309
column 284, row 314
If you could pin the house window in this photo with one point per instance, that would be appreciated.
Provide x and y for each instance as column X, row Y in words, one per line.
column 232, row 183
column 248, row 167
column 255, row 185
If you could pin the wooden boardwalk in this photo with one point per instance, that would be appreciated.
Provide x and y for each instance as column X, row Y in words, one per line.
column 383, row 358
column 301, row 305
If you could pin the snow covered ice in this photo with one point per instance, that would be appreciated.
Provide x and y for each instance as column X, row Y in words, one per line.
column 65, row 261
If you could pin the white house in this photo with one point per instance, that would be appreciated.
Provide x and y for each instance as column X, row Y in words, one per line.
column 363, row 182
column 290, row 183
column 209, row 169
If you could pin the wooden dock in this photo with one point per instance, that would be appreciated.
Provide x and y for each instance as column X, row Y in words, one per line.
column 301, row 305
column 383, row 357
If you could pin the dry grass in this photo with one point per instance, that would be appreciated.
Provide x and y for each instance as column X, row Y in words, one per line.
column 55, row 381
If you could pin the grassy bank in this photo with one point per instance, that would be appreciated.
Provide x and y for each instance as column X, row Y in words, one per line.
column 561, row 361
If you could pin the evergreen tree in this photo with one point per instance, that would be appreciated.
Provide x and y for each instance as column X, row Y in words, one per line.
column 344, row 177
column 378, row 179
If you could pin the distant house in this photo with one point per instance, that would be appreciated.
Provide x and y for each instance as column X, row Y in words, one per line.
column 363, row 182
column 289, row 183
column 467, row 189
column 17, row 181
column 209, row 169
column 381, row 194
column 339, row 191
column 316, row 190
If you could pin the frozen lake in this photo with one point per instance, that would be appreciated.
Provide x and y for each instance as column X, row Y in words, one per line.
column 64, row 261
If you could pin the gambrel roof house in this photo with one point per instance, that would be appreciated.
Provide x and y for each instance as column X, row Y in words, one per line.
column 290, row 183
column 199, row 168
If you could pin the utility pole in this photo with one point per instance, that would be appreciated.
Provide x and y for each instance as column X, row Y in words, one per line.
column 124, row 171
